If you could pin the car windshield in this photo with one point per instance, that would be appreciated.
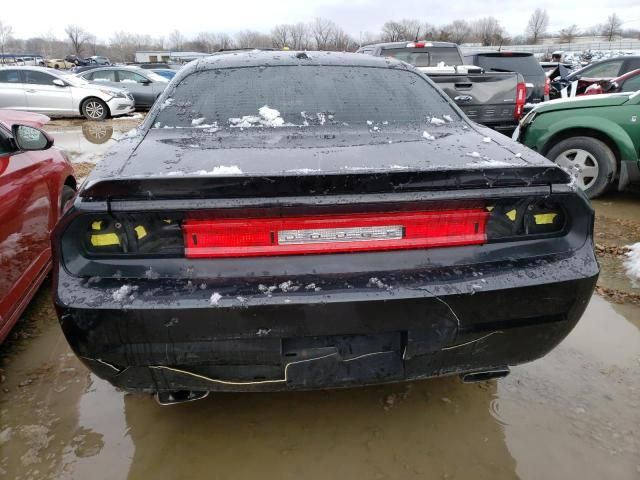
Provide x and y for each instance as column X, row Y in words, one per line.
column 303, row 96
column 426, row 57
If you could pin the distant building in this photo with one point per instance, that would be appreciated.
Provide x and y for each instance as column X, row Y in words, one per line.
column 165, row 56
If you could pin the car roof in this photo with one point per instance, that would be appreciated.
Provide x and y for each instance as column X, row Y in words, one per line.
column 404, row 44
column 116, row 67
column 52, row 71
column 257, row 58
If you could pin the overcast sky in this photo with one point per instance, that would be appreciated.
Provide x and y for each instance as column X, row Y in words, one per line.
column 158, row 18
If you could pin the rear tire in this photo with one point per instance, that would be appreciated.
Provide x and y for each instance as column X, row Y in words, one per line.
column 67, row 195
column 94, row 109
column 591, row 161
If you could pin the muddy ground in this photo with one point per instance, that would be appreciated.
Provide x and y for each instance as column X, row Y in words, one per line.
column 573, row 414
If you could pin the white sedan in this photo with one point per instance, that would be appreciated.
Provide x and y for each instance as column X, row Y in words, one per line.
column 56, row 93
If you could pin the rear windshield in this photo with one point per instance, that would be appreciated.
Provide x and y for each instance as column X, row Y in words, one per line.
column 526, row 65
column 426, row 57
column 302, row 96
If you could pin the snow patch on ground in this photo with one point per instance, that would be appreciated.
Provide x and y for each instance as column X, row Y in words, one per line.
column 437, row 121
column 632, row 263
column 197, row 121
column 428, row 136
column 487, row 140
column 474, row 155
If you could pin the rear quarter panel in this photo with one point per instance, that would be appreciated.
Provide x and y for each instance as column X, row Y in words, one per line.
column 614, row 122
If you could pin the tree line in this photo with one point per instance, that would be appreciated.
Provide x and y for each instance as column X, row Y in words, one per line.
column 319, row 34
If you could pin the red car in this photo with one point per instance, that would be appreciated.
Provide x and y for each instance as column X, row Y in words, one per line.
column 629, row 82
column 36, row 182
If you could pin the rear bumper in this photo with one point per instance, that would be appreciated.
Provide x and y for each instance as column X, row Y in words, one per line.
column 168, row 336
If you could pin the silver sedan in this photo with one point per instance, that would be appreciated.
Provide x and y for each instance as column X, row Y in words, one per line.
column 145, row 85
column 55, row 93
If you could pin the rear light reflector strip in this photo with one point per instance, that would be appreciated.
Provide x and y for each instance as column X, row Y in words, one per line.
column 218, row 238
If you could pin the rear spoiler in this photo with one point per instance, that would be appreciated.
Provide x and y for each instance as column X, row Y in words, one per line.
column 218, row 187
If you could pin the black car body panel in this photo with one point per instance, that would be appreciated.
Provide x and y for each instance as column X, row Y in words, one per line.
column 153, row 319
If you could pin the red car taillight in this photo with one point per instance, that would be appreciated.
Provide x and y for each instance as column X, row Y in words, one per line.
column 547, row 87
column 521, row 100
column 217, row 238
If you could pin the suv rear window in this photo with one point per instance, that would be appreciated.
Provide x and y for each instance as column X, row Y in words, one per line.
column 524, row 64
column 303, row 96
column 426, row 57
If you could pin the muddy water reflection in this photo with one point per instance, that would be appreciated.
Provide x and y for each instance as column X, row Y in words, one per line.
column 573, row 414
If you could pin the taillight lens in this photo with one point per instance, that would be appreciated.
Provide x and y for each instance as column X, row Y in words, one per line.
column 547, row 87
column 333, row 233
column 521, row 100
column 202, row 235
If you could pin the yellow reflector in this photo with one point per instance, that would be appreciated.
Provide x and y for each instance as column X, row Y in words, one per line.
column 511, row 215
column 545, row 218
column 141, row 232
column 105, row 240
column 490, row 208
column 167, row 220
column 97, row 225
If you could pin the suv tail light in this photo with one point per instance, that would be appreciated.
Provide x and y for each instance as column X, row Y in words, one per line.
column 333, row 233
column 547, row 87
column 521, row 99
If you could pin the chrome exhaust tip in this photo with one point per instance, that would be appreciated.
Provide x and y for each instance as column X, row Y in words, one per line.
column 485, row 375
column 179, row 396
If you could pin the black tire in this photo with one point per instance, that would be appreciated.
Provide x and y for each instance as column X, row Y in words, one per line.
column 67, row 195
column 592, row 161
column 94, row 109
column 56, row 66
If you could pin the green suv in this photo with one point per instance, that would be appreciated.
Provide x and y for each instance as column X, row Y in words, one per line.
column 597, row 138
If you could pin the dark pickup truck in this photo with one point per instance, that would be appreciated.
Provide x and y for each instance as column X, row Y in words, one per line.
column 493, row 99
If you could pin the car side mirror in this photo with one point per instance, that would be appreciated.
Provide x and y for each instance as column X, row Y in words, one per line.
column 59, row 83
column 146, row 81
column 30, row 138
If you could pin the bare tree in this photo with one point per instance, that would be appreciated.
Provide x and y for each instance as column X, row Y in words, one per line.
column 299, row 36
column 488, row 31
column 537, row 25
column 611, row 28
column 252, row 39
column 459, row 31
column 280, row 36
column 176, row 40
column 78, row 37
column 342, row 41
column 568, row 34
column 5, row 35
column 322, row 30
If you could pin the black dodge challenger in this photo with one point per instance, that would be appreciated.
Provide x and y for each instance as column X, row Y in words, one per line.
column 291, row 220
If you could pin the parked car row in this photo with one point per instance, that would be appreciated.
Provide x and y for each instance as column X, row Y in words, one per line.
column 95, row 94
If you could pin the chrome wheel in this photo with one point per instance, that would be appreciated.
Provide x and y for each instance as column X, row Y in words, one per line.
column 581, row 164
column 94, row 110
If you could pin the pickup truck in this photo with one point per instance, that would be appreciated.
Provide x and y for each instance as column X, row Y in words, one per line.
column 495, row 99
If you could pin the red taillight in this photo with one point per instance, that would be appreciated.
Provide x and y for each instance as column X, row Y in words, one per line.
column 419, row 45
column 217, row 238
column 521, row 100
column 547, row 87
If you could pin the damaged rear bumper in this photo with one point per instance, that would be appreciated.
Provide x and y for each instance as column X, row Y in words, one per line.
column 341, row 337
